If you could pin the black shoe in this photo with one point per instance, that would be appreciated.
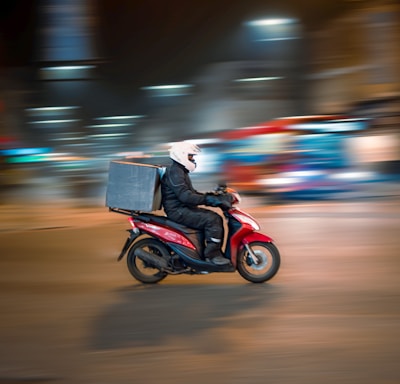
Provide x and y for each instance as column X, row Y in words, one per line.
column 220, row 260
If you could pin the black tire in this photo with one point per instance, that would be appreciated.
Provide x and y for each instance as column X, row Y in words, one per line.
column 138, row 268
column 268, row 259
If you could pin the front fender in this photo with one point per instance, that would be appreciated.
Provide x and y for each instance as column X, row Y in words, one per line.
column 255, row 236
column 251, row 237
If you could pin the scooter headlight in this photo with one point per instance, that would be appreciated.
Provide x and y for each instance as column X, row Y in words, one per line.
column 246, row 220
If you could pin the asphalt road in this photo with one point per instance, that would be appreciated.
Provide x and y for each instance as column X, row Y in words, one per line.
column 70, row 313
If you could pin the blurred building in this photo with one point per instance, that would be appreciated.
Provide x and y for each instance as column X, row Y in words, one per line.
column 260, row 79
column 336, row 69
column 350, row 64
column 356, row 68
column 355, row 58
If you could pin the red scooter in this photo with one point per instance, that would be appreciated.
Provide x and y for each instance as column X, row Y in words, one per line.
column 158, row 246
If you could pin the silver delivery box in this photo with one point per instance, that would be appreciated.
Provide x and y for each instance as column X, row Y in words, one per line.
column 133, row 186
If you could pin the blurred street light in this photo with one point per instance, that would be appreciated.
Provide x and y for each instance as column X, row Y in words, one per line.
column 168, row 90
column 274, row 29
column 268, row 22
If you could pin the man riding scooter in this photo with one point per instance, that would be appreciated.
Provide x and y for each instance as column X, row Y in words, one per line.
column 180, row 201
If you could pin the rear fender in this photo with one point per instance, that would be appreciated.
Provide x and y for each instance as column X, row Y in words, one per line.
column 133, row 235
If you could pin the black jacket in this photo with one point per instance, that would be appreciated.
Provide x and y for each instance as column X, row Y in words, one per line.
column 177, row 189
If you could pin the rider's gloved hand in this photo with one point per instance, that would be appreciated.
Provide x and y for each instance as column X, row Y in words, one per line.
column 223, row 201
column 226, row 201
column 212, row 200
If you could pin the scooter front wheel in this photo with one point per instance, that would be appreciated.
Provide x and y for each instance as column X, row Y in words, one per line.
column 141, row 270
column 258, row 262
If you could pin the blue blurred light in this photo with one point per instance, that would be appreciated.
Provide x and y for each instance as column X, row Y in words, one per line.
column 24, row 151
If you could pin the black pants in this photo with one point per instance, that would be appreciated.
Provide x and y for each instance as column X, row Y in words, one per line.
column 206, row 220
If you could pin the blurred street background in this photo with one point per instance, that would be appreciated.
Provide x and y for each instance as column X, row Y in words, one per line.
column 86, row 82
column 296, row 104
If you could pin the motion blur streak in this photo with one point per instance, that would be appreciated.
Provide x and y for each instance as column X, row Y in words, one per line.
column 350, row 71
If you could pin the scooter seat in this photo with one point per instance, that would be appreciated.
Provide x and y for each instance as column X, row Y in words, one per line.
column 164, row 220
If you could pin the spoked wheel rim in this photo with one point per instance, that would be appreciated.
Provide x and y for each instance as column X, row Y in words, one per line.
column 261, row 264
column 261, row 261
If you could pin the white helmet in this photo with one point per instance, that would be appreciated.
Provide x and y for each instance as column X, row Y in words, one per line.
column 181, row 151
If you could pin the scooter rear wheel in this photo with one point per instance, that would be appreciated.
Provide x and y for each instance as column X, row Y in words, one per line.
column 139, row 269
column 262, row 265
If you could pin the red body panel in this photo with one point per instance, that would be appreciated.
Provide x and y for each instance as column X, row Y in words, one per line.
column 165, row 234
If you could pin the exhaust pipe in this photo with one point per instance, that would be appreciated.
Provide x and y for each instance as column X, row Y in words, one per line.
column 151, row 259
